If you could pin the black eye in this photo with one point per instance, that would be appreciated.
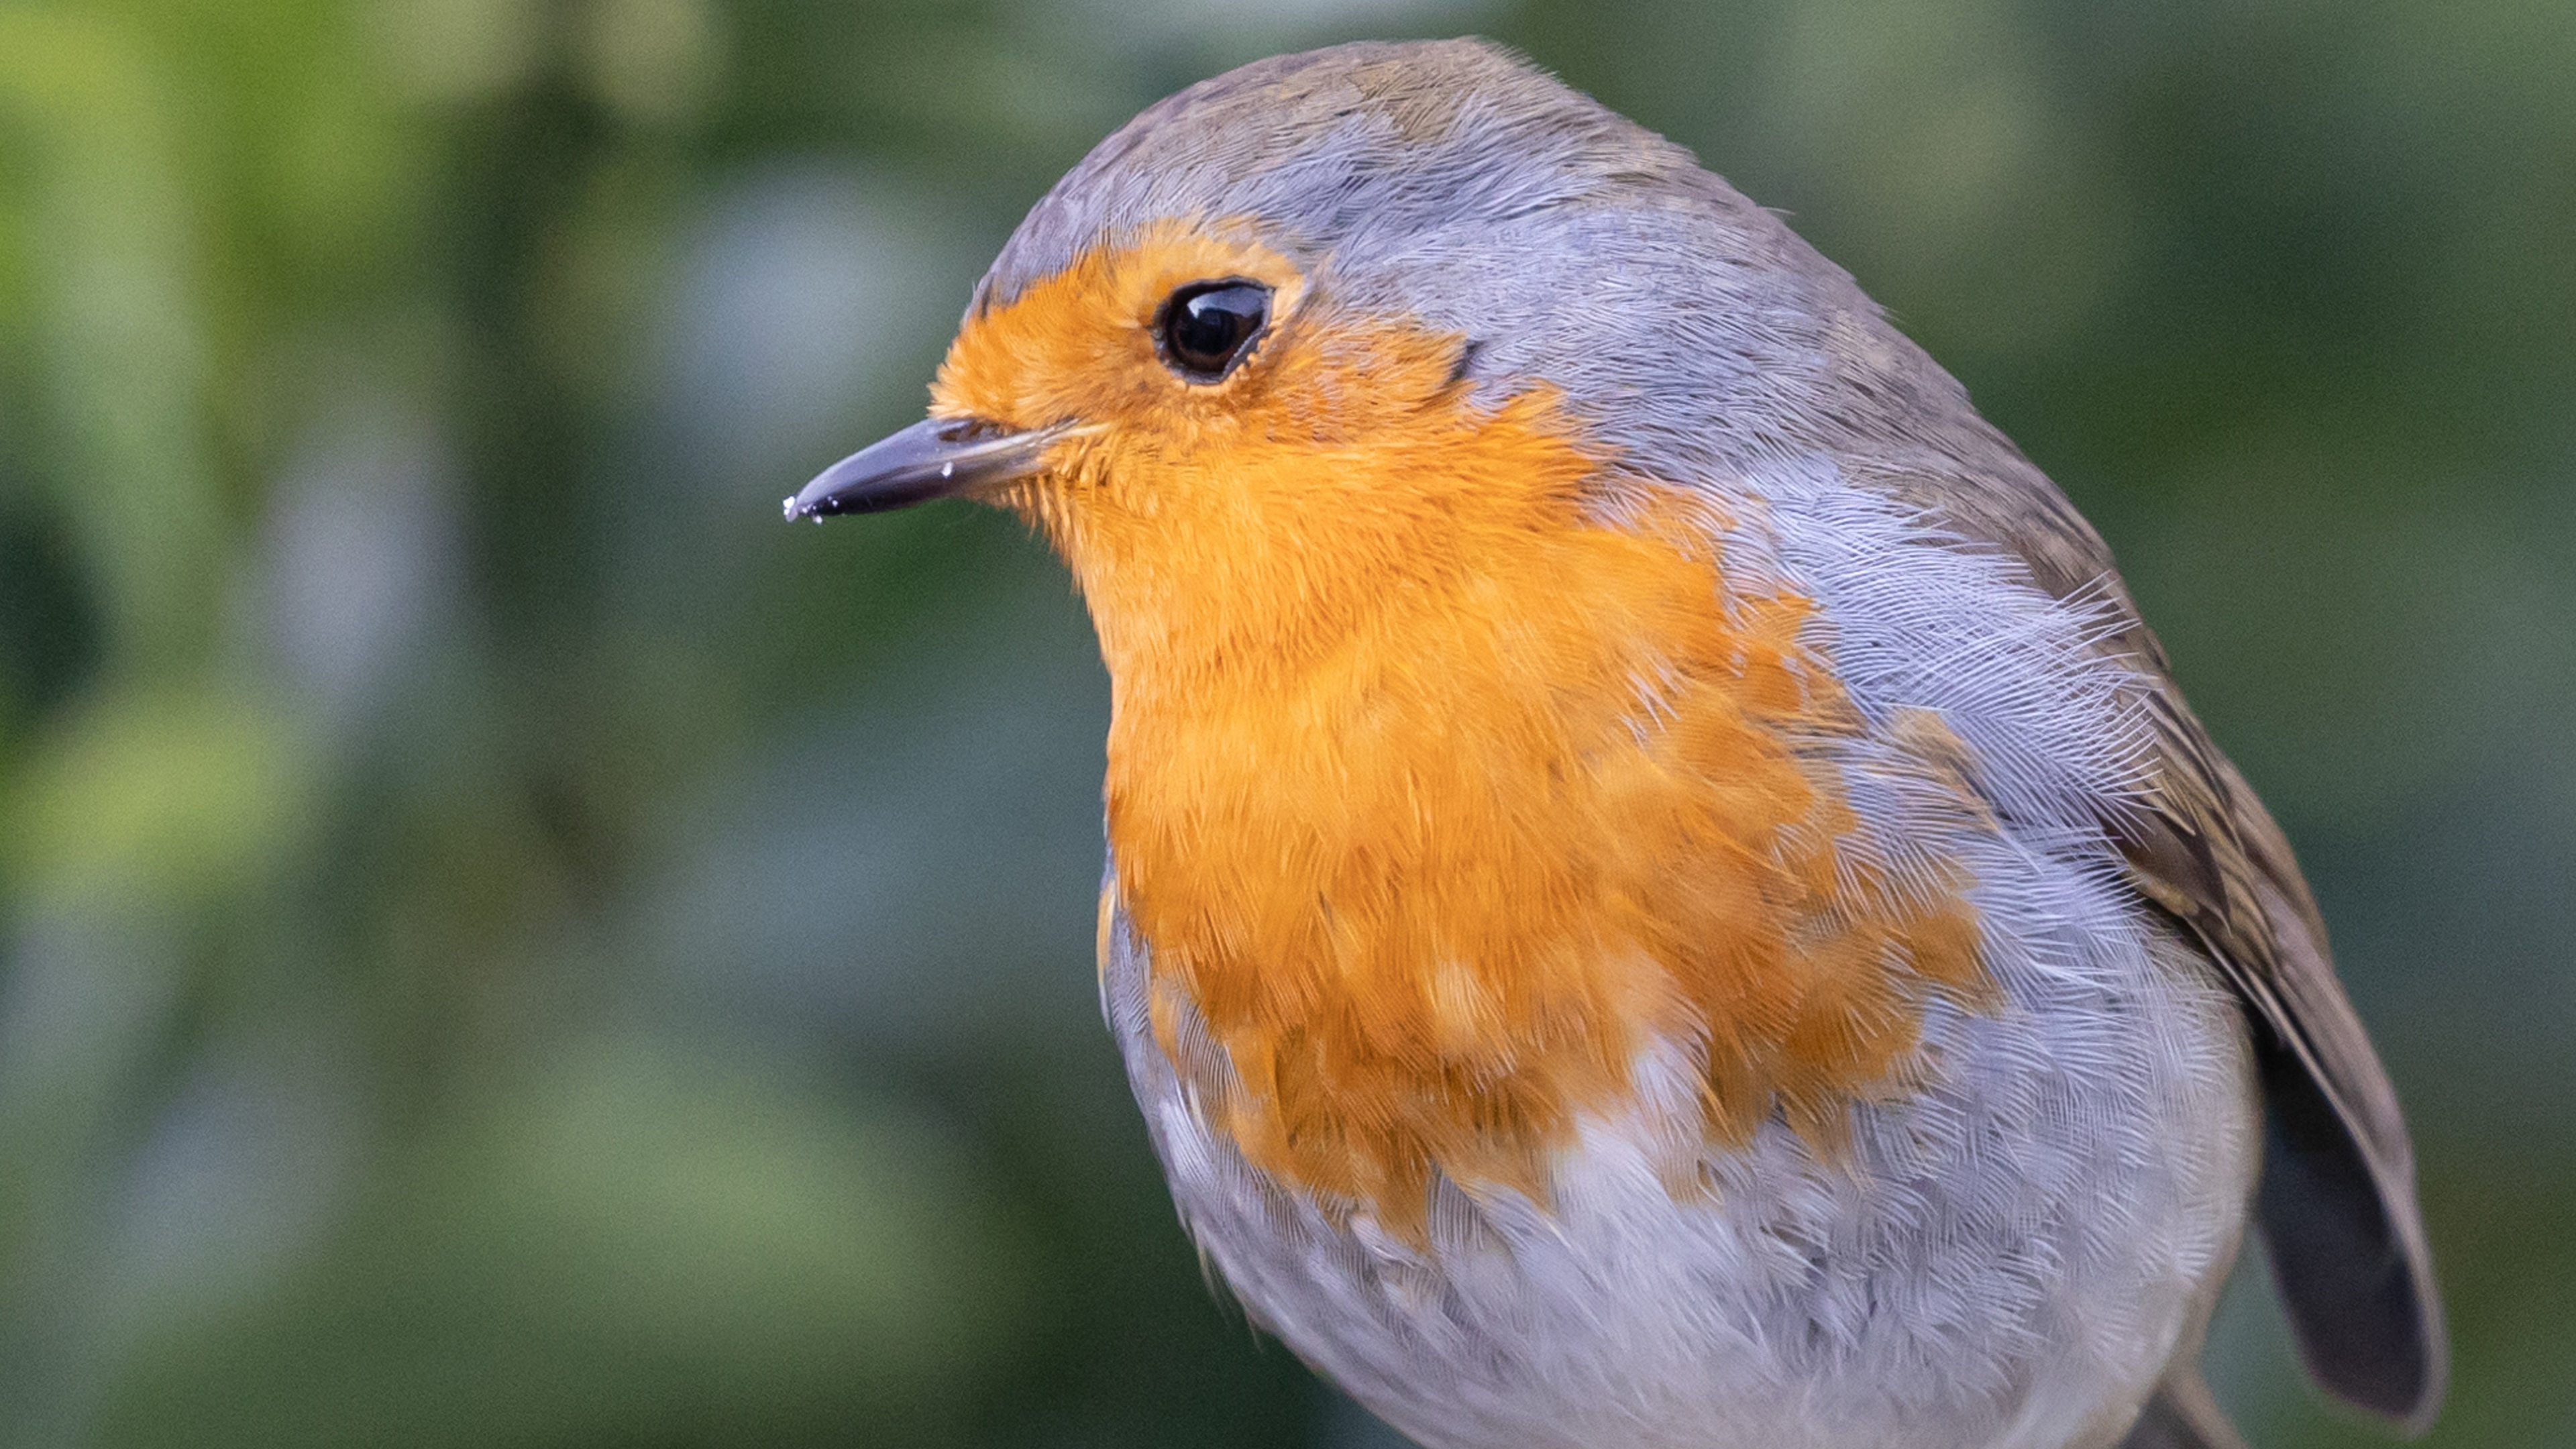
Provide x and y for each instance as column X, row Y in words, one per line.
column 1207, row 326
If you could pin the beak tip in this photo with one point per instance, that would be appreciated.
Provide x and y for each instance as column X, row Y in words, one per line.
column 812, row 504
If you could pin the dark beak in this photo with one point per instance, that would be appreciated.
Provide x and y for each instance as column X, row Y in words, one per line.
column 935, row 458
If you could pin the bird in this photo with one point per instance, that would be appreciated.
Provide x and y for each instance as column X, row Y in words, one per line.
column 1659, row 892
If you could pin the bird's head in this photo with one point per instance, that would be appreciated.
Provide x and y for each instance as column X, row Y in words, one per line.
column 1323, row 329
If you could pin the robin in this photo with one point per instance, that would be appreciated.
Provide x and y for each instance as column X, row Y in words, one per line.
column 1660, row 892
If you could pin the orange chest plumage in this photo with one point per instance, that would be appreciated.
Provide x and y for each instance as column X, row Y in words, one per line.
column 1444, row 781
column 1536, row 809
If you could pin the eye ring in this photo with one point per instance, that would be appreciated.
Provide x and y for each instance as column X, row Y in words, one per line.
column 1204, row 330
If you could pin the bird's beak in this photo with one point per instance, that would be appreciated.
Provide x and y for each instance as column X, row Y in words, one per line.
column 934, row 458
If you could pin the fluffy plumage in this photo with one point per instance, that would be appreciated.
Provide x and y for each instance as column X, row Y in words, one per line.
column 1661, row 894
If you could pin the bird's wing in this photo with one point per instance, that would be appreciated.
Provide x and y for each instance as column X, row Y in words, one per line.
column 2337, row 1203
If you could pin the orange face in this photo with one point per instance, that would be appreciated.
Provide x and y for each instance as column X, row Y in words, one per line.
column 1447, row 774
column 1202, row 517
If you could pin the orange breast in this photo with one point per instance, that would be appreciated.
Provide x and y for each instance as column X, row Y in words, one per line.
column 1439, row 795
column 1434, row 897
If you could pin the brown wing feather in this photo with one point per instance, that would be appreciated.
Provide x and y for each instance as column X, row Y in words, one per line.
column 2337, row 1203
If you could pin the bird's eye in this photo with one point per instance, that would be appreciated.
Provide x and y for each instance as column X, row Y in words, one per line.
column 1206, row 327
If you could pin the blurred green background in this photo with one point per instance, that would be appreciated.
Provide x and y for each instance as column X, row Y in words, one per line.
column 502, row 942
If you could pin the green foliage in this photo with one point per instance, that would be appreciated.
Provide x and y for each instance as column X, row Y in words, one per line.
column 502, row 942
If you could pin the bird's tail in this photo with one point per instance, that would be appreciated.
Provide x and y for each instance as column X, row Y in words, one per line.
column 2182, row 1415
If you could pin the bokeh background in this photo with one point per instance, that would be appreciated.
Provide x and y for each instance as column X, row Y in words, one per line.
column 502, row 942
